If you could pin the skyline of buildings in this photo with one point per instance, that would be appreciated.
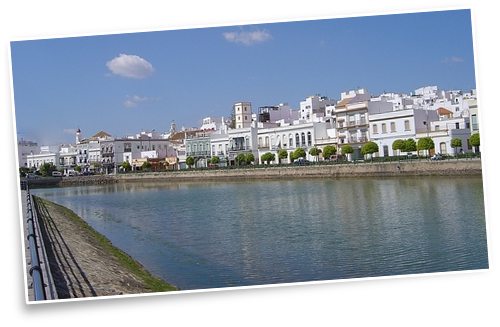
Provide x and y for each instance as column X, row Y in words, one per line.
column 356, row 118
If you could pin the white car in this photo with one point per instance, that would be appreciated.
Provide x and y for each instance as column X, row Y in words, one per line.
column 56, row 174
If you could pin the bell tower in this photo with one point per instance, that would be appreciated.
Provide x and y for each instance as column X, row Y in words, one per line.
column 78, row 136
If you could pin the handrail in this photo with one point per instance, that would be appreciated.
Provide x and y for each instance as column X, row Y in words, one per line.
column 35, row 270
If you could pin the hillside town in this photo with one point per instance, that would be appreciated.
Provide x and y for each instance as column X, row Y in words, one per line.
column 355, row 119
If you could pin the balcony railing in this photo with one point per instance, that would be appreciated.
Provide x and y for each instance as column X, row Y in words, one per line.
column 198, row 153
column 358, row 139
column 240, row 148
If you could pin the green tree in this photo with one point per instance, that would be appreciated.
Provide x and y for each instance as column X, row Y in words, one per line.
column 215, row 160
column 456, row 143
column 399, row 145
column 282, row 154
column 315, row 152
column 126, row 166
column 299, row 153
column 329, row 151
column 146, row 165
column 475, row 141
column 78, row 169
column 47, row 168
column 23, row 171
column 410, row 146
column 425, row 143
column 190, row 161
column 240, row 158
column 346, row 149
column 249, row 158
column 268, row 157
column 369, row 148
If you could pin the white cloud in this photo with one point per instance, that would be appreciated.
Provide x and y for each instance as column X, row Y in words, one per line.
column 130, row 104
column 452, row 60
column 137, row 98
column 130, row 66
column 247, row 38
column 71, row 131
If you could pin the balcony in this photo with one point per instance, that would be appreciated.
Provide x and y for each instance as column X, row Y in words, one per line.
column 240, row 148
column 198, row 153
column 358, row 139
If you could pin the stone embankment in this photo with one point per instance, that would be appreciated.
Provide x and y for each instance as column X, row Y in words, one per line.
column 87, row 180
column 393, row 169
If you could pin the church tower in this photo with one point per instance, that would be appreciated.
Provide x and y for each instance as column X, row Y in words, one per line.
column 78, row 136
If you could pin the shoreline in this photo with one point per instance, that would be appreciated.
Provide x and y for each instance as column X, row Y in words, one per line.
column 84, row 263
column 453, row 167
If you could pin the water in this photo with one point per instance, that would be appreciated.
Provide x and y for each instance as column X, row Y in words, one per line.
column 210, row 235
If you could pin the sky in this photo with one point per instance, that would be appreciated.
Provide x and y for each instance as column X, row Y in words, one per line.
column 127, row 83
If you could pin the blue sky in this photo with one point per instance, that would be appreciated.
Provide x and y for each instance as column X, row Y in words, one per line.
column 126, row 83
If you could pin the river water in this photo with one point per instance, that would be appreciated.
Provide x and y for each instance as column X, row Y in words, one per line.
column 224, row 234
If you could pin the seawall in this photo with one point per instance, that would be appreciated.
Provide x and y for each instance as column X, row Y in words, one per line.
column 415, row 168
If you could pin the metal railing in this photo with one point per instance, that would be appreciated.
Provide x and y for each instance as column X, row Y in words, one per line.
column 35, row 270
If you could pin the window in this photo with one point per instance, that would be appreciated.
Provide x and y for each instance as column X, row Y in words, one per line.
column 384, row 128
column 393, row 127
column 303, row 138
column 407, row 125
column 290, row 140
column 309, row 140
column 442, row 147
column 297, row 140
column 475, row 125
column 375, row 129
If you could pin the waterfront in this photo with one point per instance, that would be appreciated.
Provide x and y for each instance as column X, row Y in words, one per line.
column 211, row 235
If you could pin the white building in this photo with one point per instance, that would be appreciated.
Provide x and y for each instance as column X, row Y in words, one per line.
column 47, row 154
column 314, row 105
column 388, row 126
column 351, row 116
column 212, row 123
column 242, row 114
column 115, row 152
column 25, row 148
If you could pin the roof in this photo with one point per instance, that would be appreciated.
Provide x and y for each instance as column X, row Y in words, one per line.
column 442, row 111
column 101, row 135
column 343, row 102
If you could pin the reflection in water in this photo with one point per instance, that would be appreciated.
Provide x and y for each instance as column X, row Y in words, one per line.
column 209, row 235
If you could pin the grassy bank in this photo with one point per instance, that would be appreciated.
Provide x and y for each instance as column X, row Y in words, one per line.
column 153, row 283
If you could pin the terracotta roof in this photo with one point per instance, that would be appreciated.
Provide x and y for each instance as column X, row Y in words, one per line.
column 101, row 134
column 343, row 102
column 442, row 111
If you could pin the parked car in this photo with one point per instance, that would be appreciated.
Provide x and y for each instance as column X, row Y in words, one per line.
column 32, row 175
column 72, row 173
column 56, row 174
column 437, row 156
column 301, row 161
column 337, row 157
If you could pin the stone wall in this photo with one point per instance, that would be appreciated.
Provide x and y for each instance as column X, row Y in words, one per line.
column 415, row 168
